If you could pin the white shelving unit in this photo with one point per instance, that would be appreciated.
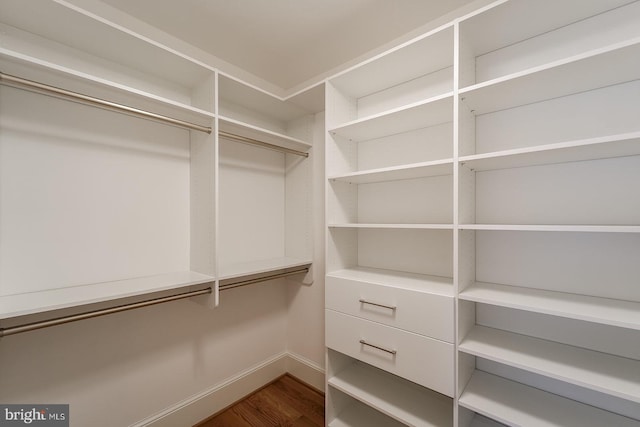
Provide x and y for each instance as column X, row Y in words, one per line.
column 122, row 239
column 511, row 188
column 124, row 209
column 264, row 194
column 390, row 232
column 399, row 399
column 548, row 158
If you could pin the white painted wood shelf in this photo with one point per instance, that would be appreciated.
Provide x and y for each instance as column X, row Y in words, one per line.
column 418, row 115
column 395, row 173
column 428, row 53
column 74, row 296
column 415, row 282
column 357, row 415
column 261, row 267
column 624, row 314
column 614, row 375
column 579, row 73
column 482, row 421
column 248, row 130
column 394, row 226
column 42, row 71
column 401, row 400
column 554, row 228
column 516, row 404
column 604, row 147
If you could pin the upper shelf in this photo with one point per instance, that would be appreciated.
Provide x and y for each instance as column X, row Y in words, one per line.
column 422, row 114
column 627, row 144
column 429, row 53
column 88, row 45
column 519, row 20
column 394, row 173
column 591, row 70
column 61, row 298
column 250, row 131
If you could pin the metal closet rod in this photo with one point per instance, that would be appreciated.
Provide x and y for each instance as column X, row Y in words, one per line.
column 263, row 144
column 262, row 279
column 31, row 85
column 96, row 313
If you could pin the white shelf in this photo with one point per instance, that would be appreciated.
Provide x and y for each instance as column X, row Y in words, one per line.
column 247, row 130
column 396, row 173
column 424, row 55
column 554, row 228
column 87, row 32
column 482, row 421
column 595, row 69
column 516, row 404
column 625, row 314
column 415, row 282
column 260, row 267
column 395, row 226
column 49, row 73
column 426, row 113
column 627, row 144
column 358, row 415
column 525, row 20
column 399, row 399
column 613, row 375
column 233, row 91
column 54, row 299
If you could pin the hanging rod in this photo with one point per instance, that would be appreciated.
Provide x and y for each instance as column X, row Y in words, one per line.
column 263, row 144
column 19, row 82
column 262, row 279
column 96, row 313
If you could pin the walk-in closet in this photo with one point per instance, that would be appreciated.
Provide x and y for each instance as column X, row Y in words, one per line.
column 423, row 213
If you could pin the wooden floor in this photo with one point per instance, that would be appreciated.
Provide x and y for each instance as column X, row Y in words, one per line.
column 284, row 402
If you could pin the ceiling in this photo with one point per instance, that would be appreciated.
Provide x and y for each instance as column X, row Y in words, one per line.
column 287, row 42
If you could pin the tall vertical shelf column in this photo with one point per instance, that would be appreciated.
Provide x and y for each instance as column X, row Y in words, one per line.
column 549, row 225
column 389, row 237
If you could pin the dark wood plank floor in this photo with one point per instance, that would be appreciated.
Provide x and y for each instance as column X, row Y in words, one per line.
column 284, row 402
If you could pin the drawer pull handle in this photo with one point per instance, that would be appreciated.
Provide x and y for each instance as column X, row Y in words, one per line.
column 390, row 307
column 363, row 342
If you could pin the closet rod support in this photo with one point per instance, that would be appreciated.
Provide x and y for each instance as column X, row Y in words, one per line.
column 96, row 313
column 19, row 82
column 263, row 144
column 262, row 279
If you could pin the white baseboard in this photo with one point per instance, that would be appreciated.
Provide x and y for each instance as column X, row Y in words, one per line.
column 200, row 406
column 306, row 371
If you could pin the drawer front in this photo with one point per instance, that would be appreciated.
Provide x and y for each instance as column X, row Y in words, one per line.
column 420, row 359
column 419, row 312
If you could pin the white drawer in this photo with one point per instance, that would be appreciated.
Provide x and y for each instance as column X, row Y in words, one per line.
column 420, row 312
column 420, row 359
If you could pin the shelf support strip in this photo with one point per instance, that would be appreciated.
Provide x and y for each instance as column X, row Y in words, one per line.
column 19, row 82
column 96, row 313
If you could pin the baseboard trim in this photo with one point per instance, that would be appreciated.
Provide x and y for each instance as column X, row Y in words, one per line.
column 306, row 371
column 202, row 405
